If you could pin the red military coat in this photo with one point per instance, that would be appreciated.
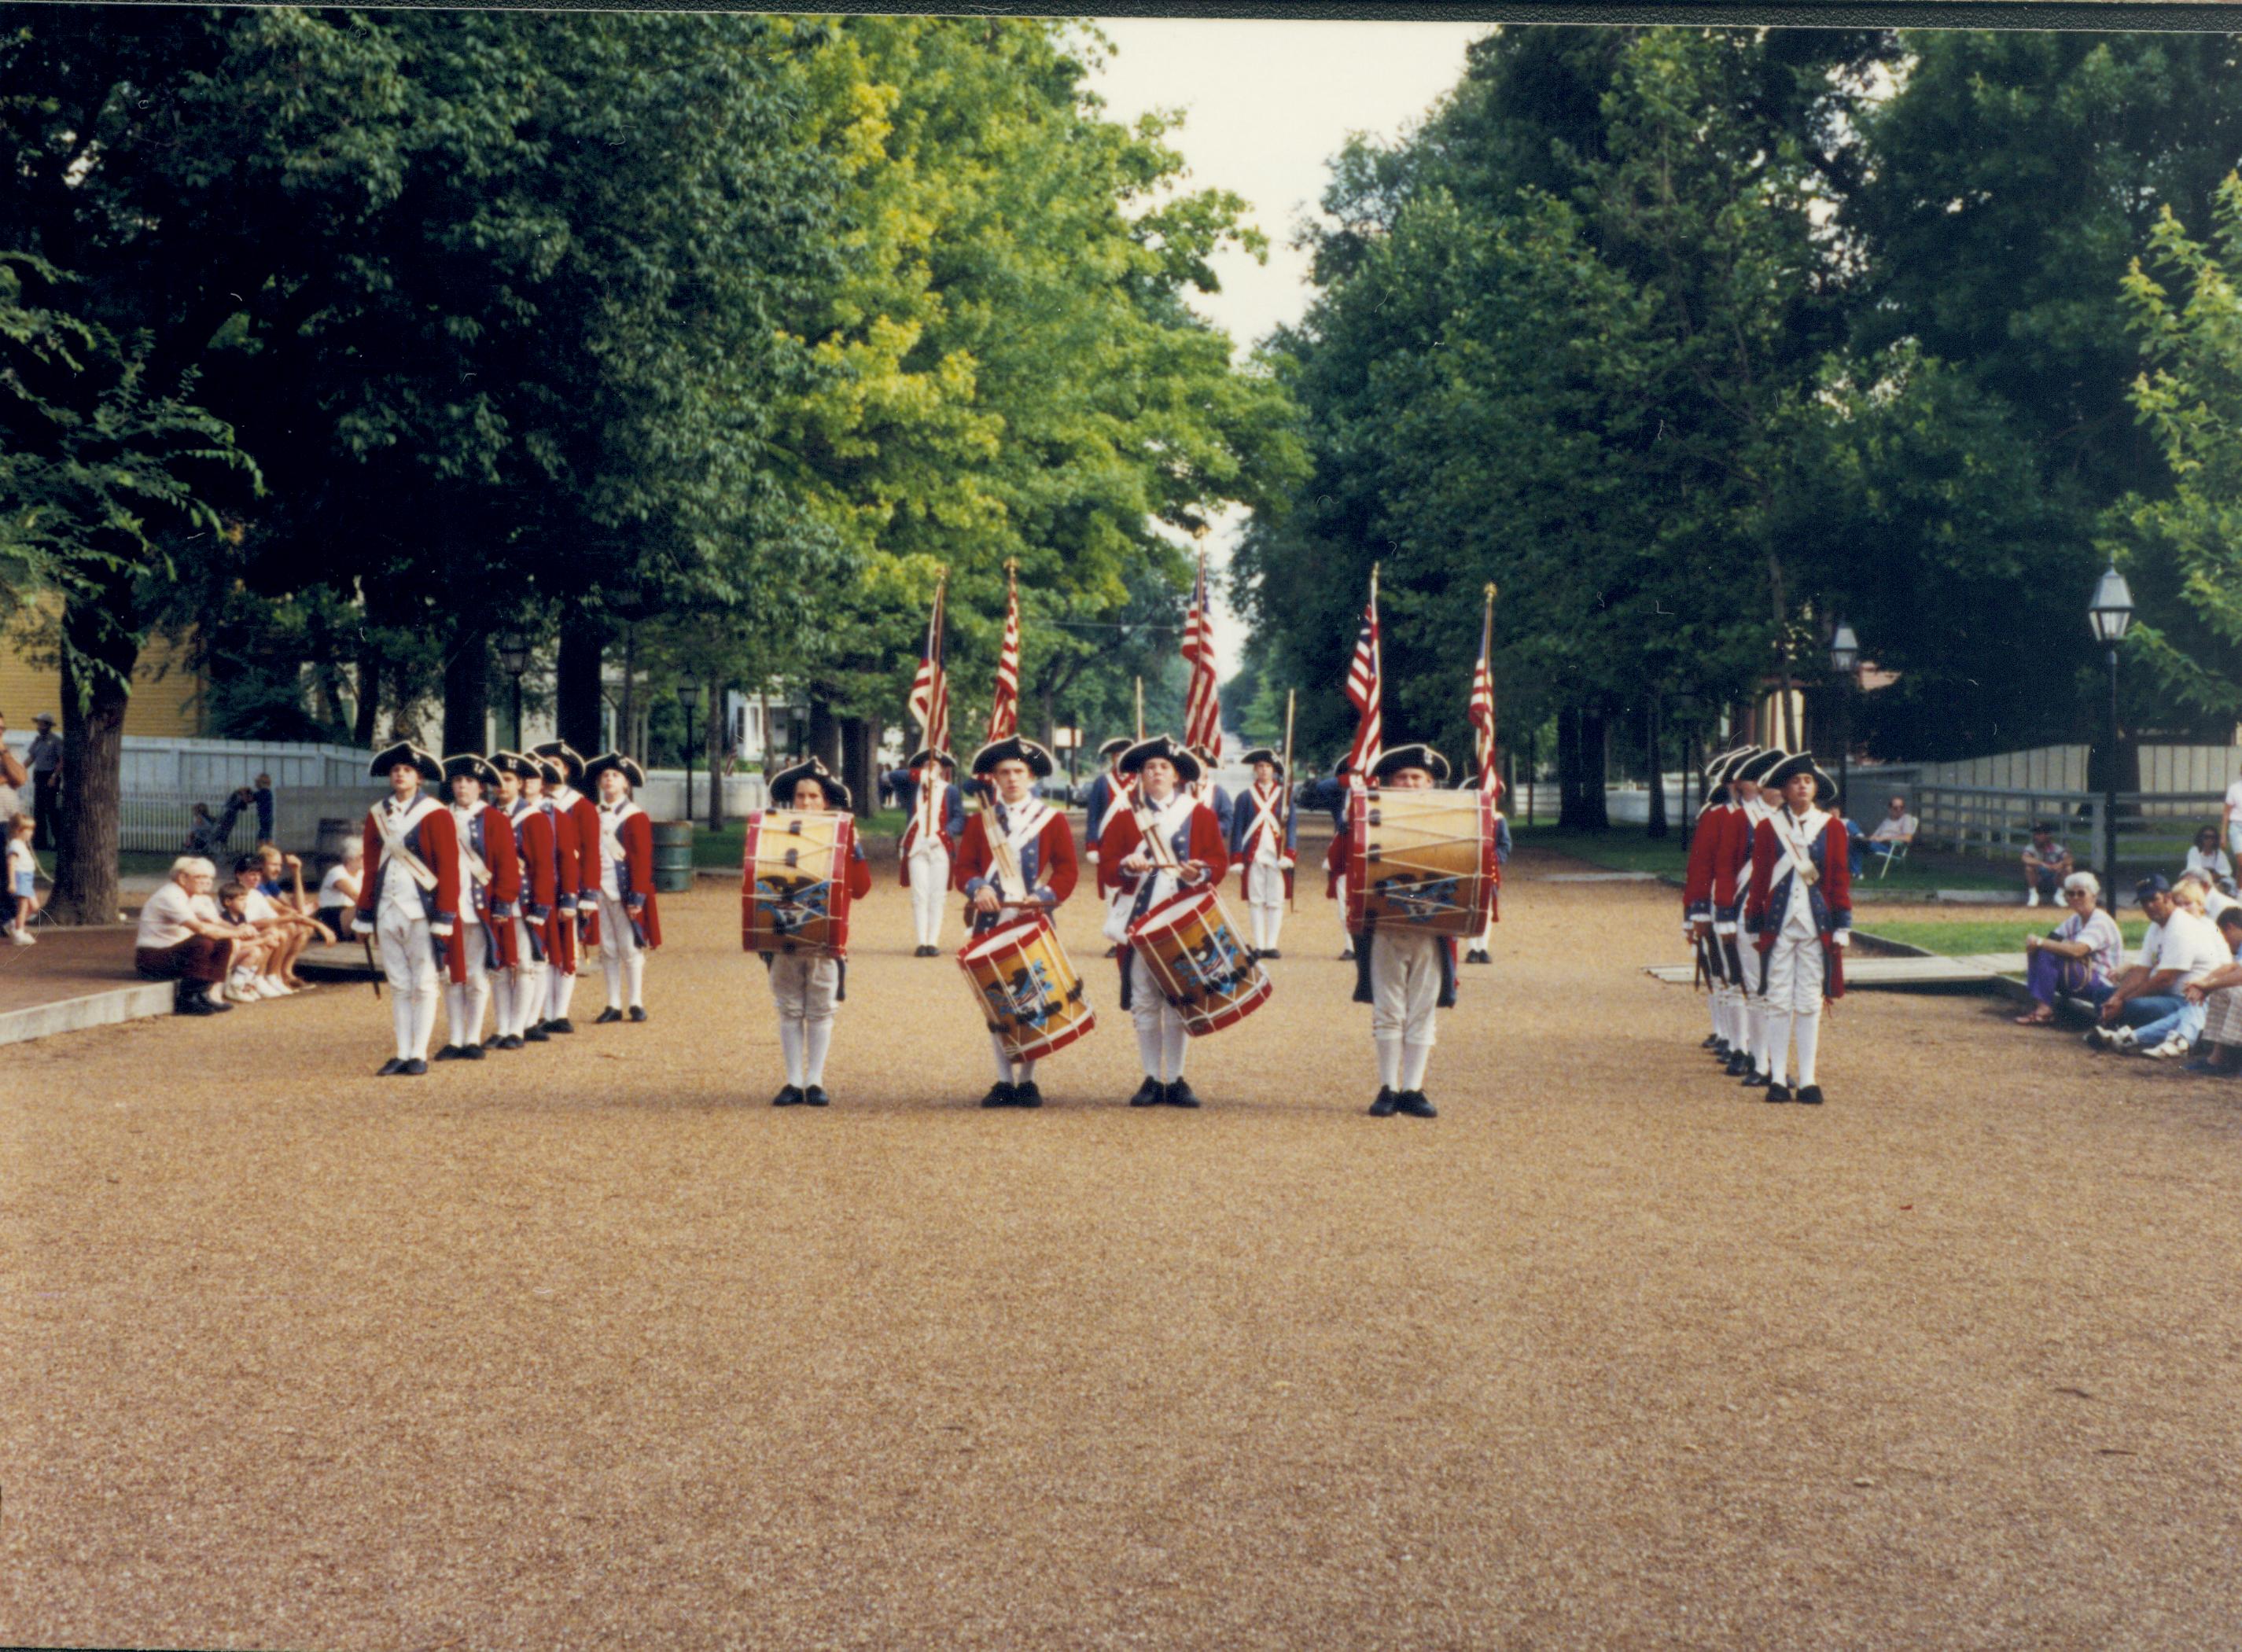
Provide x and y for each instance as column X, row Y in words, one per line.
column 433, row 842
column 1048, row 862
column 490, row 835
column 1829, row 896
column 633, row 873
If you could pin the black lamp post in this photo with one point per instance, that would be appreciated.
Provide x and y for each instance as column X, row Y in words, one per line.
column 1845, row 660
column 689, row 697
column 513, row 660
column 2110, row 615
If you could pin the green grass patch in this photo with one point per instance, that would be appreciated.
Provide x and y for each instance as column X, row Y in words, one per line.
column 1954, row 937
column 1625, row 848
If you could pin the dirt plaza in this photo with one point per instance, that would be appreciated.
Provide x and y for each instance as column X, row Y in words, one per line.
column 588, row 1345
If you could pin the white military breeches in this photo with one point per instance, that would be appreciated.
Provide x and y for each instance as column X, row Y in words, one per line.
column 1161, row 1037
column 408, row 961
column 1405, row 985
column 1265, row 903
column 929, row 869
column 1795, row 967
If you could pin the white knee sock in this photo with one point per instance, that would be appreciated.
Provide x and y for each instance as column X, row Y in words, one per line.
column 1778, row 1039
column 478, row 999
column 817, row 1038
column 1807, row 1030
column 1174, row 1042
column 612, row 967
column 1003, row 1059
column 455, row 1010
column 634, row 976
column 400, row 1022
column 1413, row 1058
column 1148, row 1050
column 1024, row 1072
column 528, row 997
column 501, row 985
column 1389, row 1063
column 424, row 1005
column 790, row 1049
column 1757, row 1014
column 1276, row 927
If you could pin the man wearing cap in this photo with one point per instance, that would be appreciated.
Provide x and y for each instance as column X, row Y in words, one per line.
column 480, row 948
column 1111, row 786
column 2181, row 948
column 410, row 900
column 1017, row 857
column 1732, row 876
column 575, row 830
column 1264, row 841
column 1166, row 841
column 930, row 838
column 630, row 921
column 44, row 760
column 1800, row 914
column 1404, row 973
column 520, row 988
column 804, row 987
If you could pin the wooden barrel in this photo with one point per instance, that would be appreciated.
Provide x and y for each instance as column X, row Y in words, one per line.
column 672, row 856
column 334, row 834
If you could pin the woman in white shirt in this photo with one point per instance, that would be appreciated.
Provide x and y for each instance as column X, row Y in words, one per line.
column 2079, row 959
column 183, row 939
column 2206, row 857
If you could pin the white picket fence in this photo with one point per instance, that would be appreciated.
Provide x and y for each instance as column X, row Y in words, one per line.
column 159, row 823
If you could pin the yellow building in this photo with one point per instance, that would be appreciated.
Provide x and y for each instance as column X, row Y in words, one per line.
column 166, row 692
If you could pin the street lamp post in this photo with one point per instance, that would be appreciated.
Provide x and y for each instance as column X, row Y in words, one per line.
column 1845, row 660
column 2110, row 615
column 689, row 697
column 513, row 660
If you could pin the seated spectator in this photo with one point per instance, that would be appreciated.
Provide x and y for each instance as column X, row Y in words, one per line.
column 2220, row 994
column 2148, row 1011
column 2206, row 857
column 338, row 889
column 183, row 938
column 2046, row 864
column 2079, row 959
column 2196, row 891
column 284, row 932
column 1895, row 830
column 283, row 884
column 20, row 900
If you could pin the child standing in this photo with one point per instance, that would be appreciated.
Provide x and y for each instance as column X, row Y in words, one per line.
column 22, row 880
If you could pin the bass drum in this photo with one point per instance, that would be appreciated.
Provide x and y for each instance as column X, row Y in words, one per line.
column 1028, row 989
column 794, row 882
column 1192, row 951
column 1421, row 860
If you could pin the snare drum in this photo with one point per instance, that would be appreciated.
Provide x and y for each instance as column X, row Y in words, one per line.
column 1421, row 860
column 794, row 882
column 1027, row 988
column 1201, row 967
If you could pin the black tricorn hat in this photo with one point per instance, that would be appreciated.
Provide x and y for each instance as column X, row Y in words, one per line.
column 1186, row 761
column 1114, row 747
column 783, row 783
column 405, row 752
column 571, row 761
column 1265, row 754
column 1014, row 746
column 1718, row 768
column 1414, row 756
column 513, row 763
column 1825, row 789
column 924, row 755
column 471, row 763
column 627, row 767
column 1755, row 769
column 554, row 771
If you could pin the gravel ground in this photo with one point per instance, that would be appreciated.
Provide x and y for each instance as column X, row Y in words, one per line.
column 588, row 1345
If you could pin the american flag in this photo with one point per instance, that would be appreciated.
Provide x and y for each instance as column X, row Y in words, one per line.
column 930, row 691
column 1004, row 709
column 1365, row 683
column 1202, row 710
column 1482, row 701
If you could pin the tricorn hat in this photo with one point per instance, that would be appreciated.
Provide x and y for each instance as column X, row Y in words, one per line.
column 571, row 761
column 1825, row 789
column 1719, row 768
column 1115, row 747
column 513, row 763
column 1014, row 747
column 405, row 752
column 783, row 783
column 1265, row 754
column 555, row 771
column 1395, row 758
column 925, row 754
column 627, row 767
column 1756, row 767
column 473, row 764
column 1186, row 761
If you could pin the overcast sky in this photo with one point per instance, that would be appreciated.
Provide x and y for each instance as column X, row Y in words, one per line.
column 1266, row 105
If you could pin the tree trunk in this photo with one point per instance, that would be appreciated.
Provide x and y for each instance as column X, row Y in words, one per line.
column 467, row 691
column 1580, row 770
column 627, row 708
column 716, row 748
column 576, row 680
column 1657, row 824
column 102, row 625
column 824, row 733
column 858, row 764
column 367, row 719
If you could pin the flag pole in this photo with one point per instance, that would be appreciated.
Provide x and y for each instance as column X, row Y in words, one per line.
column 1291, row 790
column 1140, row 709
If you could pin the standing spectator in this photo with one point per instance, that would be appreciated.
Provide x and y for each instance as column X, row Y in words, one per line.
column 2046, row 864
column 2079, row 959
column 13, row 775
column 45, row 761
column 2230, row 819
column 183, row 939
column 22, row 886
column 262, row 796
column 2206, row 857
column 338, row 889
column 2148, row 1012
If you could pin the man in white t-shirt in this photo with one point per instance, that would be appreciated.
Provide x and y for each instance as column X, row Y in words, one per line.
column 2147, row 1012
column 183, row 938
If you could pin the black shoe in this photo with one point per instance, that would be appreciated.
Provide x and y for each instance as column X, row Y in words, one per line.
column 1148, row 1093
column 1712, row 1041
column 607, row 1015
column 511, row 1041
column 1000, row 1095
column 562, row 1026
column 1777, row 1092
column 1384, row 1106
column 1412, row 1103
column 1720, row 1051
column 815, row 1097
column 220, row 1008
column 637, row 1012
column 1753, row 1080
column 412, row 1068
column 1477, row 957
column 1740, row 1062
column 389, row 1068
column 1347, row 955
column 1179, row 1094
column 449, row 1052
column 1027, row 1095
column 1272, row 953
column 195, row 1003
column 1810, row 1094
column 534, row 1033
column 471, row 1052
column 790, row 1096
column 1112, row 951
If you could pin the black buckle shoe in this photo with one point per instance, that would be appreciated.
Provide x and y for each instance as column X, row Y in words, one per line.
column 1148, row 1093
column 534, row 1033
column 1712, row 1041
column 1753, row 1079
column 562, row 1026
column 471, row 1052
column 1000, row 1095
column 1179, row 1094
column 449, row 1052
column 1027, row 1095
column 815, row 1097
column 1777, row 1092
column 1272, row 953
column 412, row 1068
column 389, row 1068
column 638, row 1012
column 788, row 1096
column 1740, row 1062
column 1810, row 1094
column 607, row 1015
column 511, row 1041
column 1413, row 1102
column 1384, row 1106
